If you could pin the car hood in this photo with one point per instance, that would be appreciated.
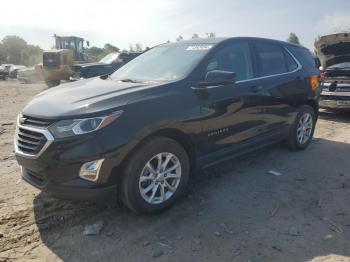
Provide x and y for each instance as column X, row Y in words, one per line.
column 333, row 49
column 84, row 98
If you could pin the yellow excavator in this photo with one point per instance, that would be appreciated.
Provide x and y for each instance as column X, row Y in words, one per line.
column 57, row 63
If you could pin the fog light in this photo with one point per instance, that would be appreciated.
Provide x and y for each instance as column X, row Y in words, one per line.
column 91, row 170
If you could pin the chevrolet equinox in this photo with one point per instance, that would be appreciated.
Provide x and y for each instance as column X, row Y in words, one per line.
column 177, row 108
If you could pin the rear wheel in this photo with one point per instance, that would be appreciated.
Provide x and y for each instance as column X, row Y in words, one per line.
column 52, row 83
column 303, row 129
column 155, row 176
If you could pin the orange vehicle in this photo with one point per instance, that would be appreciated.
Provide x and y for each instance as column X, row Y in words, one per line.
column 57, row 63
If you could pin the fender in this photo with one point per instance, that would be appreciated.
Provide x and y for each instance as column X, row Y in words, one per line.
column 179, row 131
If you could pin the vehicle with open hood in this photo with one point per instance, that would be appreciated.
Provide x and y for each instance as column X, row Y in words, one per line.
column 334, row 53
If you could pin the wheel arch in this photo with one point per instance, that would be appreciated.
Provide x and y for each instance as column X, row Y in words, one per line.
column 314, row 106
column 181, row 138
column 172, row 133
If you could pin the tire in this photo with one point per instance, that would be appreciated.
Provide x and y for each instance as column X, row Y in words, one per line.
column 302, row 130
column 52, row 83
column 136, row 167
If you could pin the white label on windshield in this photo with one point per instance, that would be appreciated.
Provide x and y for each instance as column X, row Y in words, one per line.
column 198, row 47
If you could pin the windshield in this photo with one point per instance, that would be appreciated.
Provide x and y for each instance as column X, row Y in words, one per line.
column 163, row 63
column 109, row 58
column 340, row 65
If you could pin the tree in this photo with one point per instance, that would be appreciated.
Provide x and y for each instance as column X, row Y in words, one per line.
column 13, row 46
column 3, row 56
column 195, row 36
column 111, row 48
column 138, row 47
column 210, row 35
column 15, row 50
column 293, row 38
column 96, row 53
column 179, row 38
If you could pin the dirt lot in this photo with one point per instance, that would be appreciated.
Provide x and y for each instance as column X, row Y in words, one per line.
column 232, row 212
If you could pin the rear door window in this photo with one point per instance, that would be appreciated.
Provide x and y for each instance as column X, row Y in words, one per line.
column 234, row 58
column 271, row 58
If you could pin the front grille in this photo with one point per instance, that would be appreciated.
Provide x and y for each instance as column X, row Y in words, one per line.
column 29, row 141
column 335, row 97
column 36, row 122
column 51, row 60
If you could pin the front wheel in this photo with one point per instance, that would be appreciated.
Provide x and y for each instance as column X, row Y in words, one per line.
column 155, row 176
column 303, row 129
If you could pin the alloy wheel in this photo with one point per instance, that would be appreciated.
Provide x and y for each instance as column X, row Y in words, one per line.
column 160, row 178
column 304, row 129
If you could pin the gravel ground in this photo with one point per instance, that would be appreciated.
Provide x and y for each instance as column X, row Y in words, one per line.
column 235, row 211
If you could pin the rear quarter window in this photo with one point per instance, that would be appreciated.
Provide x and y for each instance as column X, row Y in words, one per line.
column 291, row 63
column 271, row 59
column 303, row 55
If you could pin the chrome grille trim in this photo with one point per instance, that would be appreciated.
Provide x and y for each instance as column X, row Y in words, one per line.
column 35, row 122
column 26, row 141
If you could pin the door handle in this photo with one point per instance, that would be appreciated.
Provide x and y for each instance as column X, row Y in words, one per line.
column 256, row 89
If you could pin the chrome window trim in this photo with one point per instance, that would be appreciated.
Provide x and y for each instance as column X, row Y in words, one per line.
column 49, row 139
column 264, row 77
column 286, row 73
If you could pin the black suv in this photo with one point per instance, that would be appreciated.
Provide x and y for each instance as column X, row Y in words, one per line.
column 106, row 66
column 176, row 108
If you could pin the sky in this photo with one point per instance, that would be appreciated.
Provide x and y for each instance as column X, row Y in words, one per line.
column 151, row 22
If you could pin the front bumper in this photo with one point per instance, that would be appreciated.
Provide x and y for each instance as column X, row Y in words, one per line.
column 55, row 169
column 334, row 104
column 335, row 100
column 76, row 189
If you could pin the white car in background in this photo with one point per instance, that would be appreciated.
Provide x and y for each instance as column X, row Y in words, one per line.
column 28, row 76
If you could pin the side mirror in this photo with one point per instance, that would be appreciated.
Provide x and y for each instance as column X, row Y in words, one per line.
column 218, row 77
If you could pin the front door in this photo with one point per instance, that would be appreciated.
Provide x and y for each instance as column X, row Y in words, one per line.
column 231, row 113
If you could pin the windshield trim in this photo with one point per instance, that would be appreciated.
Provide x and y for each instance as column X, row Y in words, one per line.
column 190, row 70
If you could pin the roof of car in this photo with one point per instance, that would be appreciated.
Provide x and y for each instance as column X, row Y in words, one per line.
column 217, row 40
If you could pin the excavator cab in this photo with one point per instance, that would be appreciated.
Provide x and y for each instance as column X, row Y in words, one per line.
column 76, row 44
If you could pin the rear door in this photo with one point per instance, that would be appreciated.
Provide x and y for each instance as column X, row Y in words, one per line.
column 231, row 113
column 282, row 80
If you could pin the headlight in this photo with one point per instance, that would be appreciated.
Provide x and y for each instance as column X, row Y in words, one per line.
column 66, row 128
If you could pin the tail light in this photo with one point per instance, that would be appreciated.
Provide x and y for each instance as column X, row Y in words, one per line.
column 314, row 82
